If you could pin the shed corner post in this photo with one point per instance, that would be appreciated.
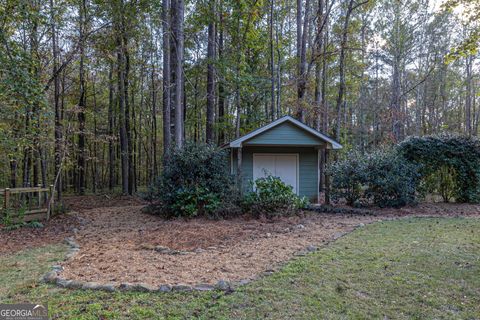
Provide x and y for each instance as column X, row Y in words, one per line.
column 327, row 177
column 239, row 169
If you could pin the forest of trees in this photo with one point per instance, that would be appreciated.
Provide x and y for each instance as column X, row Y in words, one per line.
column 93, row 93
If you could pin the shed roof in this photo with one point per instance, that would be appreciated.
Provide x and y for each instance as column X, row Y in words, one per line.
column 331, row 143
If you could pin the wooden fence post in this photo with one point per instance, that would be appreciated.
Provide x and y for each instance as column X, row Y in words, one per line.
column 39, row 195
column 51, row 198
column 6, row 199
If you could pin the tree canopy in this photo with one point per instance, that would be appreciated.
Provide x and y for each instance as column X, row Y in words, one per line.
column 93, row 93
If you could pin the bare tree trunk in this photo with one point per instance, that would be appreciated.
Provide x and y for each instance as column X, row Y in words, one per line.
column 167, row 137
column 318, row 66
column 35, row 116
column 179, row 41
column 154, row 125
column 302, row 35
column 468, row 94
column 95, row 177
column 139, row 165
column 210, row 75
column 395, row 101
column 397, row 125
column 81, row 102
column 476, row 111
column 121, row 66
column 221, row 88
column 237, row 85
column 278, row 31
column 56, row 88
column 133, row 156
column 111, row 150
column 128, row 110
column 272, row 64
column 341, row 67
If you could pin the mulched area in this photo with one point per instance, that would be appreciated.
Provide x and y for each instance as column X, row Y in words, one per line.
column 62, row 226
column 123, row 244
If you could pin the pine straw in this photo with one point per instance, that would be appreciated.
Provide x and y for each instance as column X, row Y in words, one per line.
column 117, row 245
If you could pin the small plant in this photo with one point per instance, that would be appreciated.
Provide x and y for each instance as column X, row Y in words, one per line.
column 195, row 201
column 7, row 217
column 443, row 182
column 60, row 208
column 13, row 218
column 271, row 197
column 34, row 224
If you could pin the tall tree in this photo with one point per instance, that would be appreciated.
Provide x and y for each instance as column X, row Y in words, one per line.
column 302, row 37
column 351, row 6
column 177, row 33
column 82, row 11
column 56, row 96
column 210, row 73
column 119, row 30
column 272, row 62
column 221, row 87
column 166, row 76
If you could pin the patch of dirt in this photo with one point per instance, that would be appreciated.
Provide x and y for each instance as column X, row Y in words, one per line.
column 79, row 203
column 61, row 226
column 54, row 231
column 118, row 245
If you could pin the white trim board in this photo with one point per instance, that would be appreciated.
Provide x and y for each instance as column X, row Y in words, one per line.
column 330, row 142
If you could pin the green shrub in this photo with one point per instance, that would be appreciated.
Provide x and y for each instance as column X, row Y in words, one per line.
column 272, row 198
column 443, row 181
column 456, row 158
column 195, row 182
column 348, row 176
column 383, row 178
column 391, row 181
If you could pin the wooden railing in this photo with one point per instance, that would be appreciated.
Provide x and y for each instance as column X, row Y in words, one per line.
column 35, row 203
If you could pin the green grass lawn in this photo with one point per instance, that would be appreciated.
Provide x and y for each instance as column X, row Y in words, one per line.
column 418, row 268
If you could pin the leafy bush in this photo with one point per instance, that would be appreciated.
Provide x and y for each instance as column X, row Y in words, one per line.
column 383, row 178
column 457, row 155
column 195, row 181
column 391, row 181
column 348, row 177
column 272, row 198
column 442, row 182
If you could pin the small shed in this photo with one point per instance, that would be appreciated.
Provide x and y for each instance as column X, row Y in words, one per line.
column 285, row 148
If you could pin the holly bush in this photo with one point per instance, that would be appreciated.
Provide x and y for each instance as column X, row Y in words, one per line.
column 195, row 181
column 348, row 176
column 450, row 164
column 391, row 181
column 383, row 178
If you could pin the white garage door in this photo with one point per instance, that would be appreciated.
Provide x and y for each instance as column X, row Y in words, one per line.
column 284, row 166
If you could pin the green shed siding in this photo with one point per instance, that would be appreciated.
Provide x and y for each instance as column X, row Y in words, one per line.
column 308, row 164
column 285, row 134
